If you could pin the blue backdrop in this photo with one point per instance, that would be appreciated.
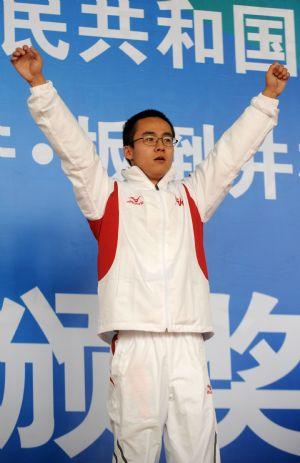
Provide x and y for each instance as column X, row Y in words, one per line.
column 200, row 62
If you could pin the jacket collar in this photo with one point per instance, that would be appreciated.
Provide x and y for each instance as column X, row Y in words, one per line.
column 136, row 175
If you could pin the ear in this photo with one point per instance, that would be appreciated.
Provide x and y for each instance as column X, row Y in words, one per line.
column 128, row 152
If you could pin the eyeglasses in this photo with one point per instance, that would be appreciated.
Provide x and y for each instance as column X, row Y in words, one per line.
column 151, row 140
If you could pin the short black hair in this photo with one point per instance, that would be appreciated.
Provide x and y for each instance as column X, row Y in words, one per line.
column 129, row 127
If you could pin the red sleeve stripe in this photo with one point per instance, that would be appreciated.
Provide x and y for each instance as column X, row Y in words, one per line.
column 198, row 233
column 106, row 231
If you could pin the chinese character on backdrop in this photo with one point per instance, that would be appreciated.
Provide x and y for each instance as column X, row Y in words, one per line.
column 123, row 13
column 27, row 16
column 262, row 36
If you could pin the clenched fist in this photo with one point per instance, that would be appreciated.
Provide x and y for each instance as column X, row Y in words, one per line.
column 276, row 79
column 29, row 64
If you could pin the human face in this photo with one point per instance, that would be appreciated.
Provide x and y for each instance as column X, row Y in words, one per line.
column 154, row 161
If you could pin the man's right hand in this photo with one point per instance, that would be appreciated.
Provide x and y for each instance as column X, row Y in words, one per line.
column 29, row 64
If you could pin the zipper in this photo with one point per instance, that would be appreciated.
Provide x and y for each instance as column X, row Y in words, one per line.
column 164, row 257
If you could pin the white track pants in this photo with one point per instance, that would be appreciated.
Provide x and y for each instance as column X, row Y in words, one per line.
column 160, row 386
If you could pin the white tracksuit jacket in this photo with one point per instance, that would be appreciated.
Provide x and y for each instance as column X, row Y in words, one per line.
column 151, row 263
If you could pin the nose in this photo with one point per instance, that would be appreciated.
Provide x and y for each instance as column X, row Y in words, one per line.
column 159, row 145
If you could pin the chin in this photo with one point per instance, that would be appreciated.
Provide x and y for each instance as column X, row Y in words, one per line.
column 160, row 173
column 165, row 170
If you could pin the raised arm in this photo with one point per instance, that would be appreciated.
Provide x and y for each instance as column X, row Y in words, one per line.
column 80, row 162
column 213, row 177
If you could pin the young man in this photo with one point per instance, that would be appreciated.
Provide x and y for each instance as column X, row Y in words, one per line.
column 153, row 284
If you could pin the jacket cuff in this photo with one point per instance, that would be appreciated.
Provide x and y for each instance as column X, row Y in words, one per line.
column 266, row 104
column 41, row 89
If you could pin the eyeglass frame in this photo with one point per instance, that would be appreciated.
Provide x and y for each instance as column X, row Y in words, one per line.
column 175, row 141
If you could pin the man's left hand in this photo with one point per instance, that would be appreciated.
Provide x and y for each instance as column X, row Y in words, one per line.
column 276, row 80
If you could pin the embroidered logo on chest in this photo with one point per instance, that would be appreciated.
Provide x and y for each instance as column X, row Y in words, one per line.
column 179, row 201
column 136, row 200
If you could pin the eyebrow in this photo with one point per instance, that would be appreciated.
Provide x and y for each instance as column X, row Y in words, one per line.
column 149, row 132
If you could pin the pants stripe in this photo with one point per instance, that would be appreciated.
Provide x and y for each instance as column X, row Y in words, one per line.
column 215, row 448
column 116, row 458
column 121, row 451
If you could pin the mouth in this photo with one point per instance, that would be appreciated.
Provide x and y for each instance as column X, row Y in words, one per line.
column 160, row 159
